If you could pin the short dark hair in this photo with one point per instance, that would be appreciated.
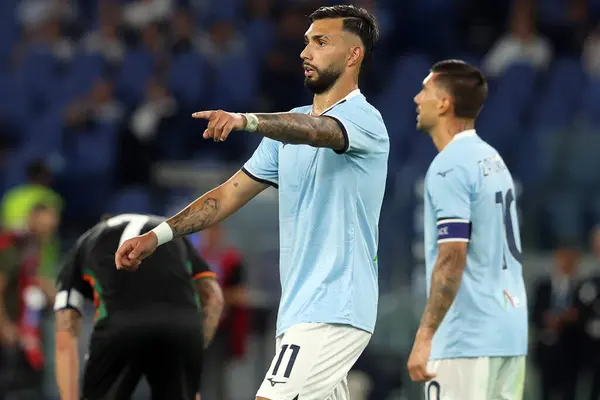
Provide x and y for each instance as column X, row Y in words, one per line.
column 357, row 20
column 465, row 83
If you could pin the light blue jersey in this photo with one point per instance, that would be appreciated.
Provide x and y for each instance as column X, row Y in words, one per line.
column 470, row 197
column 329, row 206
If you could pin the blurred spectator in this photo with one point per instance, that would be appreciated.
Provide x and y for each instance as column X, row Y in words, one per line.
column 144, row 12
column 95, row 106
column 24, row 294
column 282, row 76
column 260, row 28
column 588, row 305
column 521, row 44
column 106, row 40
column 558, row 340
column 18, row 202
column 231, row 339
column 221, row 43
column 182, row 31
column 591, row 53
column 564, row 22
column 138, row 147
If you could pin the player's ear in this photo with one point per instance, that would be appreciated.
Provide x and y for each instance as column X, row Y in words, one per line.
column 356, row 55
column 444, row 104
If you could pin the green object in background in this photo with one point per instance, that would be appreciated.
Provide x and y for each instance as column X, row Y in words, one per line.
column 18, row 202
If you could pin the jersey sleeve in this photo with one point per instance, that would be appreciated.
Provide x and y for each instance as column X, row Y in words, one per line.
column 263, row 166
column 199, row 267
column 450, row 196
column 72, row 289
column 363, row 128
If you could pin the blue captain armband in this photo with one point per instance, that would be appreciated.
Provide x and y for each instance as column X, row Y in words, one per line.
column 453, row 230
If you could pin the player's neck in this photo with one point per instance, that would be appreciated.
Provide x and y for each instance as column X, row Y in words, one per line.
column 446, row 130
column 323, row 101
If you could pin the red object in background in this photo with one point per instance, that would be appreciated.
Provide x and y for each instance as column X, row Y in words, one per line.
column 31, row 297
column 236, row 323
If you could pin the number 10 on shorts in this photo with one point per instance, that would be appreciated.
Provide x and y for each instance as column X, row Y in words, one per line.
column 293, row 354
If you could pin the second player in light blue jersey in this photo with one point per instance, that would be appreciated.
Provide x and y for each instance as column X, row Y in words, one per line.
column 472, row 340
column 329, row 163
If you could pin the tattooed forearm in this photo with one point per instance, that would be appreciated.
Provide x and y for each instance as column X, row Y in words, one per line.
column 195, row 217
column 211, row 298
column 445, row 282
column 68, row 320
column 216, row 205
column 296, row 128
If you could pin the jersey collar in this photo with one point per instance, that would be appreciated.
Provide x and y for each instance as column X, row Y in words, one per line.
column 464, row 134
column 350, row 95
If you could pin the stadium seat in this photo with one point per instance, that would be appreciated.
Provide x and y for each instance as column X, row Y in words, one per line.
column 136, row 69
column 133, row 199
column 591, row 102
column 85, row 70
column 188, row 80
column 260, row 34
column 555, row 106
column 235, row 94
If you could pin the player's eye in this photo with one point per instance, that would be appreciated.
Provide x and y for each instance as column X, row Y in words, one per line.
column 322, row 43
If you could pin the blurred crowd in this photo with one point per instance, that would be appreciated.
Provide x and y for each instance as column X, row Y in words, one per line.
column 94, row 92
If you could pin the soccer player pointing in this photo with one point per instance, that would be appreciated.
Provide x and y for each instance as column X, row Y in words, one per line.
column 329, row 162
column 472, row 339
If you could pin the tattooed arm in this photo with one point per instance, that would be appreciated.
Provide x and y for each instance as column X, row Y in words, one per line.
column 445, row 282
column 211, row 299
column 216, row 205
column 296, row 128
column 68, row 328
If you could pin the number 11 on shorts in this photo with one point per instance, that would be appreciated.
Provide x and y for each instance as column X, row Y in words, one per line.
column 295, row 349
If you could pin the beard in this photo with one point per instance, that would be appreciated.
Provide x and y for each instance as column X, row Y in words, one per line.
column 323, row 82
column 423, row 127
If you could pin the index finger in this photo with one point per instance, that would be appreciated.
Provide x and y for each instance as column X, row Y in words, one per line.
column 202, row 114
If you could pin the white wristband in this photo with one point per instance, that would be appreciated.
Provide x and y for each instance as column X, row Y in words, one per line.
column 163, row 233
column 251, row 122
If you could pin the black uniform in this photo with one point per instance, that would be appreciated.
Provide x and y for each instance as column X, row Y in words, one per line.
column 147, row 322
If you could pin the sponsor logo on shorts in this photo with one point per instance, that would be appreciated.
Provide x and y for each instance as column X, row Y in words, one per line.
column 274, row 382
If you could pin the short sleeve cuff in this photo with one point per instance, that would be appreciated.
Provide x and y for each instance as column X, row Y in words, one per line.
column 344, row 132
column 69, row 299
column 259, row 179
column 453, row 230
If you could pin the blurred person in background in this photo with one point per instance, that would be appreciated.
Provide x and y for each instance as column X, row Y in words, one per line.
column 24, row 293
column 148, row 324
column 106, row 39
column 279, row 80
column 522, row 43
column 558, row 347
column 97, row 106
column 138, row 147
column 231, row 339
column 587, row 303
column 17, row 203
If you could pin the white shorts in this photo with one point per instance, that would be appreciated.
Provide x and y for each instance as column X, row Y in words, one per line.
column 489, row 378
column 311, row 362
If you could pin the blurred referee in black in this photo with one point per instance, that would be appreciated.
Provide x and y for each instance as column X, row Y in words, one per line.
column 154, row 323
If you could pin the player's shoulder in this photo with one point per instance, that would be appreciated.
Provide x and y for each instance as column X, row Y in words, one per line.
column 359, row 106
column 302, row 109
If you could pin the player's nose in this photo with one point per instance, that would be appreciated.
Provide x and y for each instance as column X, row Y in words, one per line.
column 305, row 55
